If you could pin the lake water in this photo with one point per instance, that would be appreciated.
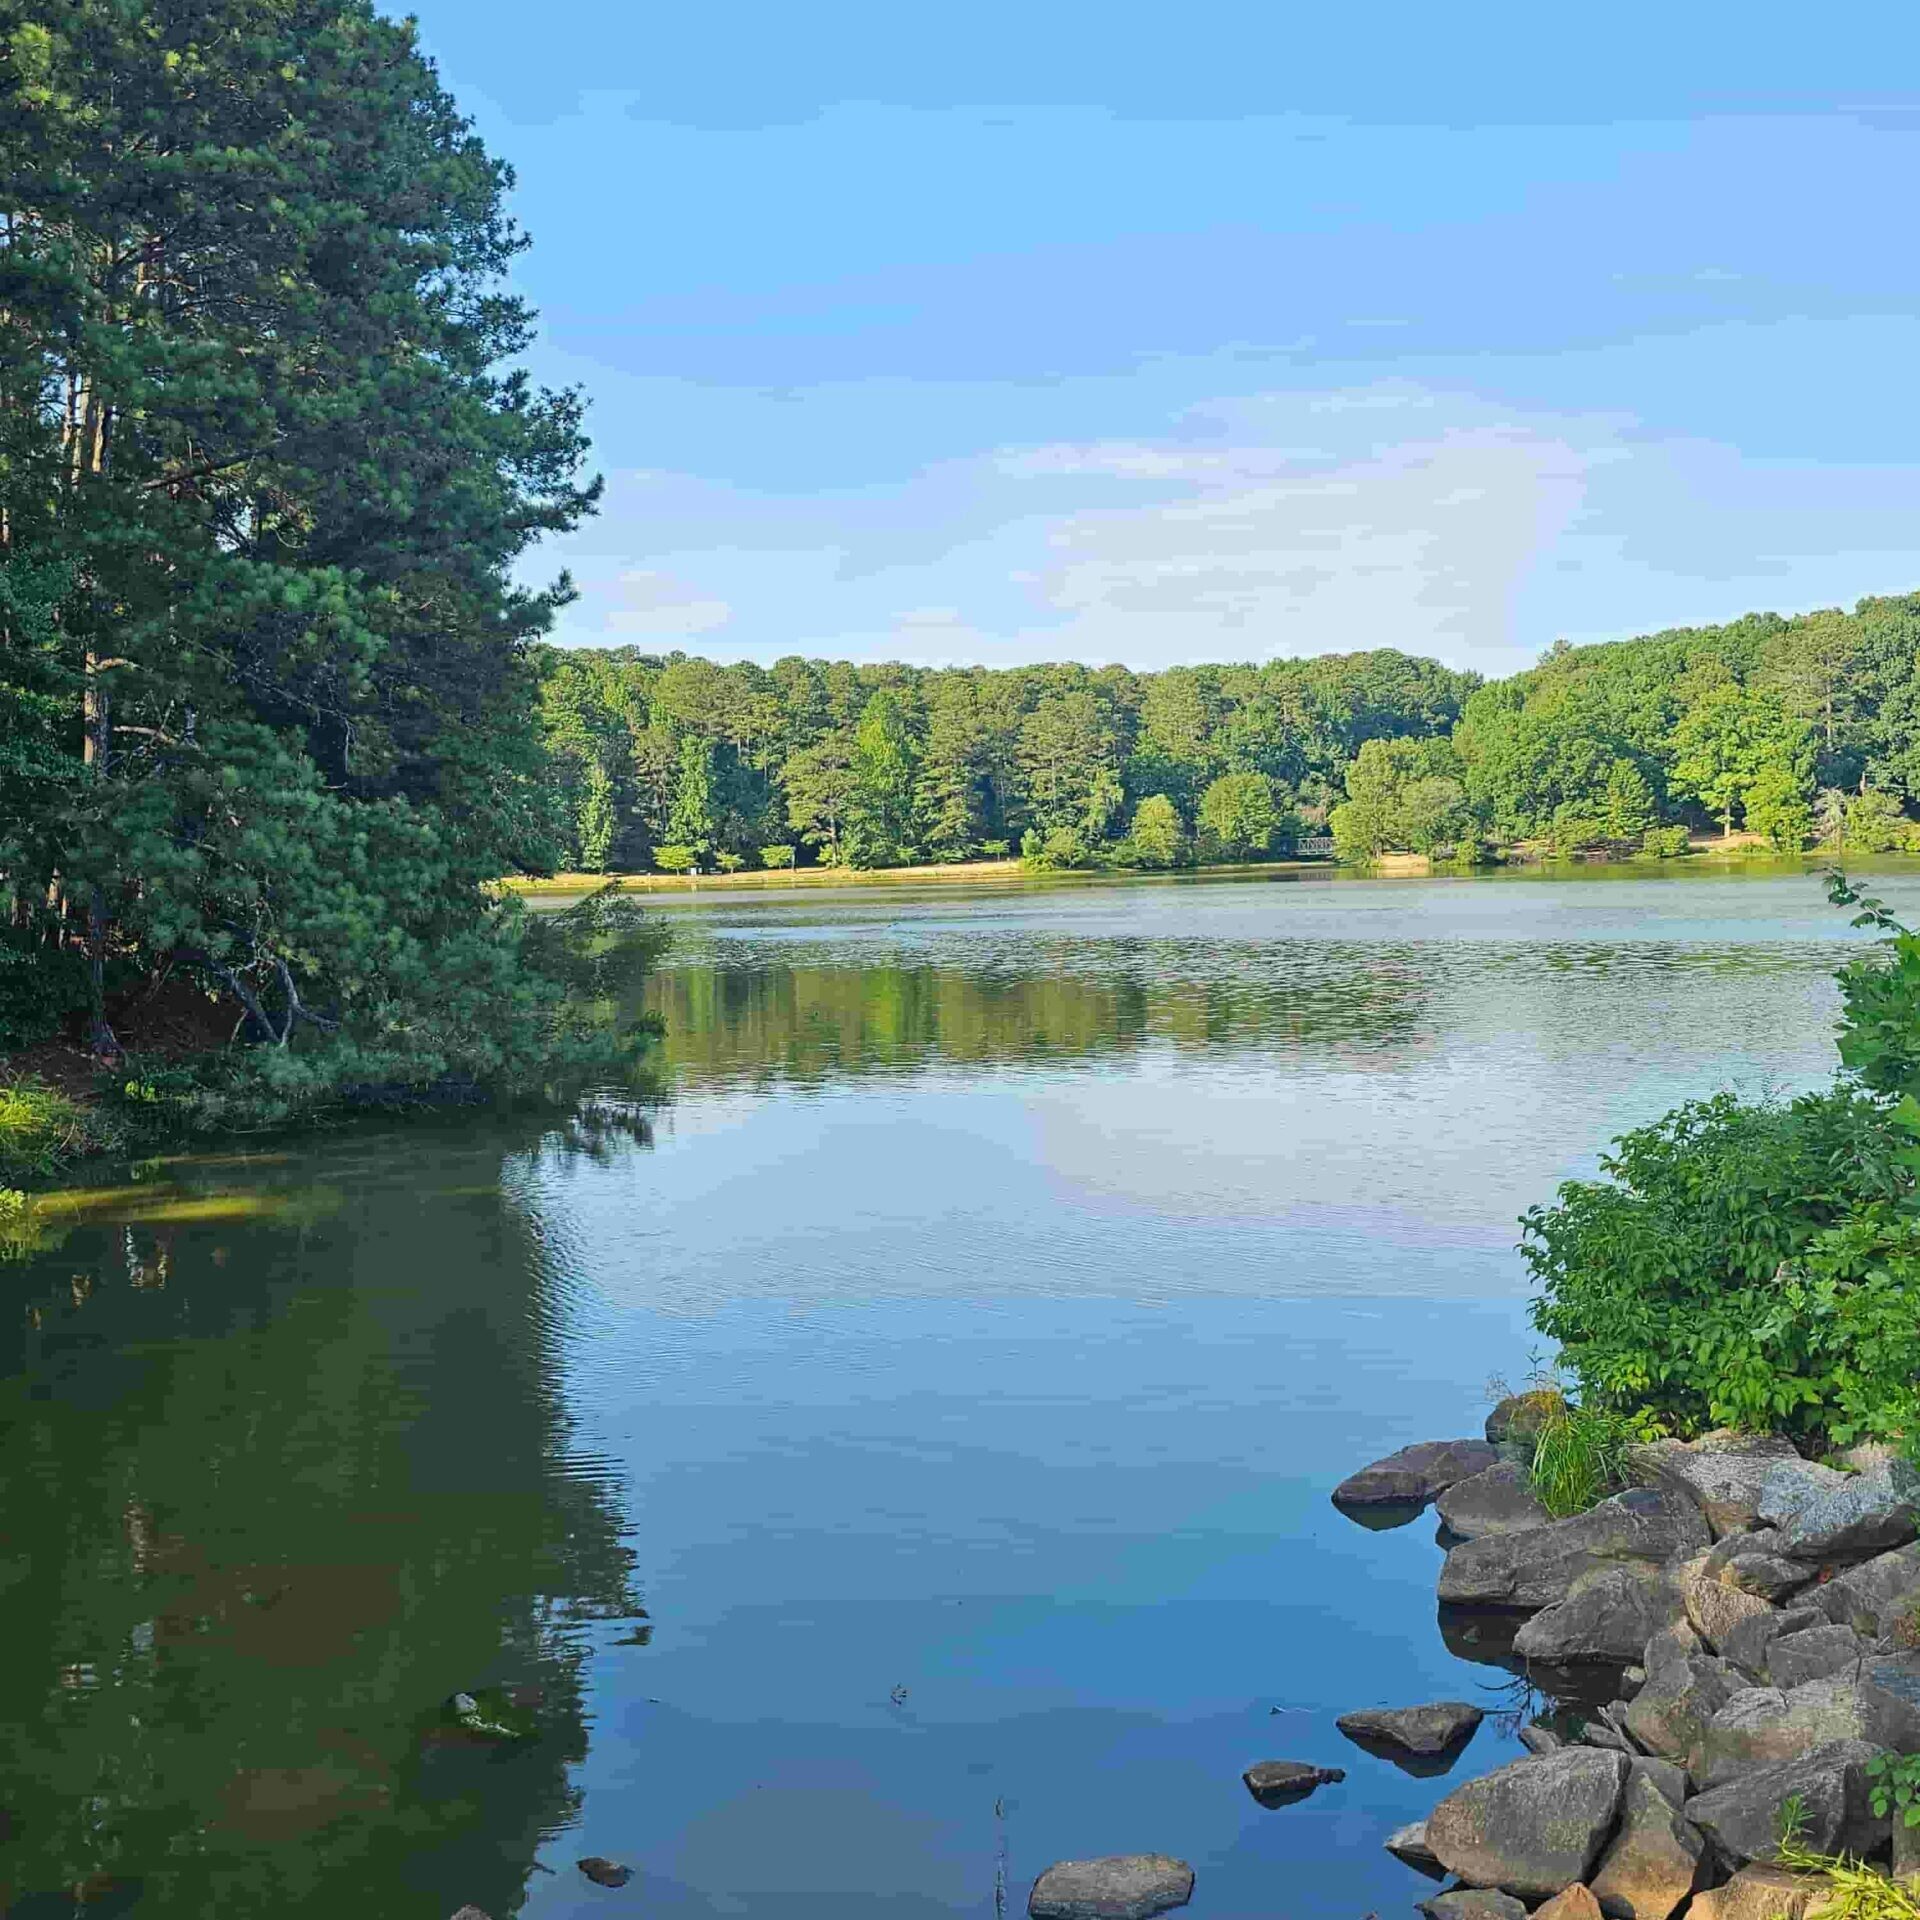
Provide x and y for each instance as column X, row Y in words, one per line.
column 951, row 1368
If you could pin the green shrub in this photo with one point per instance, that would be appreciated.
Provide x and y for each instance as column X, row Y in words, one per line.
column 42, row 1130
column 776, row 858
column 1745, row 1266
column 1665, row 843
column 676, row 859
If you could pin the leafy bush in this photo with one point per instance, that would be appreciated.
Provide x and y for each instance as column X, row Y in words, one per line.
column 1747, row 1266
column 676, row 859
column 1059, row 850
column 41, row 1130
column 1665, row 843
column 775, row 858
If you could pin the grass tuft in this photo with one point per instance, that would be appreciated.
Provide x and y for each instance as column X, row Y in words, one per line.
column 41, row 1130
column 1580, row 1457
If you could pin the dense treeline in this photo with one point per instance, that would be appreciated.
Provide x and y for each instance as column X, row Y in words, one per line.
column 1782, row 727
column 669, row 762
column 267, row 711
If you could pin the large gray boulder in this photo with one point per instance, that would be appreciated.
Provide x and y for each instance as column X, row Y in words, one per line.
column 1814, row 1653
column 1714, row 1611
column 1657, row 1856
column 1608, row 1617
column 1415, row 1474
column 1517, row 1420
column 1748, row 1643
column 1532, row 1827
column 1889, row 1686
column 1764, row 1726
column 1669, row 1716
column 1874, row 1597
column 1742, row 1818
column 1472, row 1903
column 1501, row 1500
column 1123, row 1886
column 1538, row 1566
column 1721, row 1473
column 1437, row 1728
column 1821, row 1515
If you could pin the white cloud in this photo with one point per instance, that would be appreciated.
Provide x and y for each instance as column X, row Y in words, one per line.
column 655, row 604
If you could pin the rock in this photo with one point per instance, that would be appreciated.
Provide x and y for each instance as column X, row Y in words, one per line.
column 1713, row 1611
column 1874, row 1597
column 1747, row 1644
column 1822, row 1515
column 1668, row 1717
column 1124, row 1886
column 1501, row 1500
column 1742, row 1817
column 1889, row 1688
column 1764, row 1726
column 1531, row 1827
column 1632, row 1679
column 1814, row 1653
column 1722, row 1473
column 605, row 1873
column 1415, row 1474
column 1570, row 1903
column 1540, row 1740
column 1437, row 1728
column 1906, row 1852
column 1473, row 1903
column 1607, row 1617
column 1757, row 1893
column 1409, row 1846
column 1677, row 1642
column 470, row 1913
column 1765, row 1574
column 1538, row 1565
column 1657, row 1857
column 1517, row 1420
column 1600, row 1731
column 1279, row 1783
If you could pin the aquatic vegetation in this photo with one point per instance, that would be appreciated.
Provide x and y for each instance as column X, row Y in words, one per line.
column 41, row 1129
column 1579, row 1457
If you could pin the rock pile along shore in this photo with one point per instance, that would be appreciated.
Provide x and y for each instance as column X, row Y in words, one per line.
column 1758, row 1616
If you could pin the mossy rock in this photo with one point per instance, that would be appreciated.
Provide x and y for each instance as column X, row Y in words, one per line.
column 492, row 1713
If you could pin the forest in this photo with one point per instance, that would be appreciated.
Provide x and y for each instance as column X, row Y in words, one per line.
column 1789, row 729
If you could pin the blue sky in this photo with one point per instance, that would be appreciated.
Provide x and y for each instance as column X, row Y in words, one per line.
column 1212, row 331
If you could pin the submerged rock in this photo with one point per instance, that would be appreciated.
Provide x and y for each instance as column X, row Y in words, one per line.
column 1531, row 1827
column 1821, row 1515
column 1501, row 1500
column 1743, row 1817
column 1414, row 1475
column 604, row 1872
column 1436, row 1728
column 1537, row 1567
column 1279, row 1783
column 1123, row 1886
column 1722, row 1473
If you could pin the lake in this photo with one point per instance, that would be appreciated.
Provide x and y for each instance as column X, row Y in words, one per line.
column 892, row 1460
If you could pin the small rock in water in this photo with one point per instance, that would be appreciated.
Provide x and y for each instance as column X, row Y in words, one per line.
column 1414, row 1475
column 1123, row 1886
column 1501, row 1500
column 471, row 1913
column 1438, row 1729
column 1279, row 1783
column 605, row 1873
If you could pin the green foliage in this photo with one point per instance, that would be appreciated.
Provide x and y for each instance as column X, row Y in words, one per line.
column 1872, row 822
column 1747, row 1266
column 1738, row 748
column 1665, row 843
column 1157, row 836
column 776, row 857
column 42, row 1130
column 1239, row 815
column 1579, row 1456
column 676, row 859
column 1880, row 1001
column 1896, row 1785
column 1405, row 796
column 1850, row 1889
